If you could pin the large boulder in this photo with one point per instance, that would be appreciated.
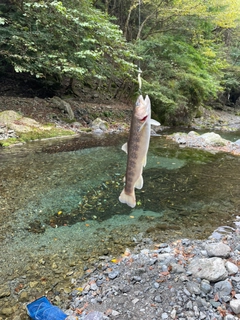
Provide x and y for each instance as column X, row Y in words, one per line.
column 214, row 139
column 14, row 121
column 60, row 104
column 9, row 116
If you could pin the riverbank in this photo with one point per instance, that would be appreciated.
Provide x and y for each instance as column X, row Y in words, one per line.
column 185, row 279
column 26, row 119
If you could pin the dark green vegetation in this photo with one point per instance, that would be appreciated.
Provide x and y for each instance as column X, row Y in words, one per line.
column 188, row 50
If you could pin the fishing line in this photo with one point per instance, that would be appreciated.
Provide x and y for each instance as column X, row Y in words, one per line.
column 139, row 62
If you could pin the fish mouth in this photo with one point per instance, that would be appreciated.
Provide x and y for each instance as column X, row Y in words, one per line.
column 144, row 118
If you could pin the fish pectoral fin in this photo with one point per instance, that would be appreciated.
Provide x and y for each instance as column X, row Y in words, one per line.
column 140, row 129
column 125, row 147
column 129, row 199
column 139, row 183
column 154, row 122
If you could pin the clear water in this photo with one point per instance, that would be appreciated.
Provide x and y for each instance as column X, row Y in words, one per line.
column 61, row 206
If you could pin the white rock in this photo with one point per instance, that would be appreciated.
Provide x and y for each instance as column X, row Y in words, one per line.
column 231, row 267
column 235, row 306
column 230, row 317
column 218, row 250
column 211, row 269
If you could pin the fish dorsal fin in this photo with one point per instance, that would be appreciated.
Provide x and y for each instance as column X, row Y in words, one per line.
column 154, row 122
column 139, row 183
column 125, row 147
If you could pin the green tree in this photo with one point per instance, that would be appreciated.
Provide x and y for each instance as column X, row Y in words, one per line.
column 53, row 39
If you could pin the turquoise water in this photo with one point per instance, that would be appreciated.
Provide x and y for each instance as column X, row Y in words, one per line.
column 49, row 188
column 59, row 198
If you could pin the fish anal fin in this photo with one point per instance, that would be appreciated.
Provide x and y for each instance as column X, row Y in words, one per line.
column 139, row 182
column 129, row 199
column 125, row 147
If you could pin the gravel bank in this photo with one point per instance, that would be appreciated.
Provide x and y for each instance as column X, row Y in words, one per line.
column 186, row 279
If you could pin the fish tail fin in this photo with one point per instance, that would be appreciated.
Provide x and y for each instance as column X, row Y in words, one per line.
column 129, row 199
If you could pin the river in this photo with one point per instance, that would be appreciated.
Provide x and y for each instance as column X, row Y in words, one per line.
column 59, row 208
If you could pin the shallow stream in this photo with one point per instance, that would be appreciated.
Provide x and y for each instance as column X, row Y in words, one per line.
column 59, row 208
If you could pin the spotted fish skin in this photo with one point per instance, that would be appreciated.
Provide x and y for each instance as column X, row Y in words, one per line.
column 137, row 148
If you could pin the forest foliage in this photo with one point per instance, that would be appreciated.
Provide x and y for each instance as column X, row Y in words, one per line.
column 188, row 50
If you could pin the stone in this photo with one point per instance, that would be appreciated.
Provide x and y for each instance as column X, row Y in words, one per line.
column 205, row 286
column 4, row 291
column 114, row 313
column 218, row 250
column 57, row 102
column 235, row 306
column 113, row 274
column 9, row 116
column 134, row 301
column 158, row 299
column 231, row 268
column 214, row 139
column 193, row 287
column 222, row 288
column 7, row 311
column 100, row 124
column 23, row 297
column 211, row 269
column 94, row 286
column 177, row 268
column 230, row 317
column 94, row 315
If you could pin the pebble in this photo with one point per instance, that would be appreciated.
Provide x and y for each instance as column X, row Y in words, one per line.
column 222, row 288
column 205, row 286
column 231, row 267
column 6, row 133
column 112, row 275
column 235, row 306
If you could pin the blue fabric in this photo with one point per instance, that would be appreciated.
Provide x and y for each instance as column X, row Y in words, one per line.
column 42, row 309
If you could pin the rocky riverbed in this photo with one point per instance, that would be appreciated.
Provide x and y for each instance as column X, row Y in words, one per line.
column 180, row 280
column 184, row 280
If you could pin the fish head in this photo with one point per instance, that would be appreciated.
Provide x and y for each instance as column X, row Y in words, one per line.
column 143, row 109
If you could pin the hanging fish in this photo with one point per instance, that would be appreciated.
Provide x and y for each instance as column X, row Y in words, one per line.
column 136, row 149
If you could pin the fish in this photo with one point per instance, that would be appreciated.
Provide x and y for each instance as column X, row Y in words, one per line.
column 137, row 149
